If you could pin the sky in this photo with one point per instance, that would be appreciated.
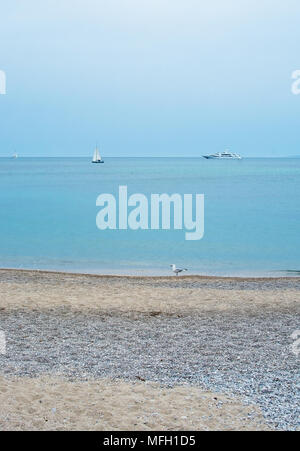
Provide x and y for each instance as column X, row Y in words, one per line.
column 149, row 77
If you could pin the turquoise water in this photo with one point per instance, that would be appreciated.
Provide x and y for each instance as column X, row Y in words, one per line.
column 252, row 216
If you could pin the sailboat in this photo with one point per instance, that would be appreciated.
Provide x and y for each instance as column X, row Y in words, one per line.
column 15, row 155
column 97, row 157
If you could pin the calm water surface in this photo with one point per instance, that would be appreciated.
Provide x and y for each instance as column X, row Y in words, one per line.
column 252, row 216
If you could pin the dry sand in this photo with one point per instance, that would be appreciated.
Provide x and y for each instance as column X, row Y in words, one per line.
column 55, row 404
column 168, row 295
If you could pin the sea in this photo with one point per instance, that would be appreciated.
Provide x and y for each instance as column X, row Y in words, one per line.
column 251, row 216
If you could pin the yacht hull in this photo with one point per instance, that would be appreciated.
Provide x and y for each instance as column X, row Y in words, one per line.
column 207, row 157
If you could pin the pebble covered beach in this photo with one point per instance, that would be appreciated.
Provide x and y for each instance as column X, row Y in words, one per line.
column 224, row 337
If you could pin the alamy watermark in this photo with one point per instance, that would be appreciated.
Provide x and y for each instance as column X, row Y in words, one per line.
column 296, row 83
column 159, row 212
column 2, row 82
column 2, row 343
column 295, row 346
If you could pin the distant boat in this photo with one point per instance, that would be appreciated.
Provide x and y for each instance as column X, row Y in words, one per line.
column 15, row 155
column 223, row 156
column 97, row 157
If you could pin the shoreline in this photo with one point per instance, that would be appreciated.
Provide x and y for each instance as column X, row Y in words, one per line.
column 150, row 277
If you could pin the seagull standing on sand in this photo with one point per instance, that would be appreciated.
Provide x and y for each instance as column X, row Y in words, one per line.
column 176, row 271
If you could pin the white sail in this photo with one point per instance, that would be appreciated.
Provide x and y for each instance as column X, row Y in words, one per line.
column 97, row 156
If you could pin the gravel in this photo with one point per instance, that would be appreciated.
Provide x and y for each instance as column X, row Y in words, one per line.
column 248, row 355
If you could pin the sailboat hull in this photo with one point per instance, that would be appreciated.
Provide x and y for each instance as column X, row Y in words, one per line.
column 96, row 162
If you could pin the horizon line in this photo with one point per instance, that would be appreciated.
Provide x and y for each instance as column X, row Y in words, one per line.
column 144, row 156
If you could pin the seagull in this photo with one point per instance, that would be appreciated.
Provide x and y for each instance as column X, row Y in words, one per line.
column 176, row 271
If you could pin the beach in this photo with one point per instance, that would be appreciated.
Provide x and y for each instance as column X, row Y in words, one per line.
column 148, row 353
column 150, row 216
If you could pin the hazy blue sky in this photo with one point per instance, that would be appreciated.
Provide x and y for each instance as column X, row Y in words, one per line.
column 149, row 77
